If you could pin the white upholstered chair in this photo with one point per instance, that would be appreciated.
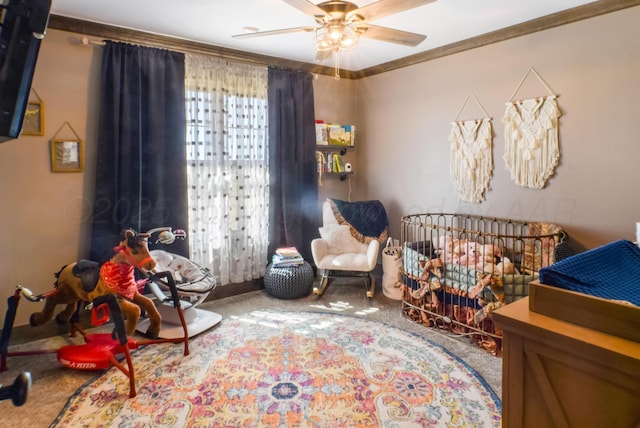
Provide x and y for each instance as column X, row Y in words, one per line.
column 338, row 253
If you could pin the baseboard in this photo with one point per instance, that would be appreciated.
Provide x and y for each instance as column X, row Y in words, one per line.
column 229, row 290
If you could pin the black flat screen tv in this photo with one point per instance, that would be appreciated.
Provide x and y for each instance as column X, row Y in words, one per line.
column 22, row 25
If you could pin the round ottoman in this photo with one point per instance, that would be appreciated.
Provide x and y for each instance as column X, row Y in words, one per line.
column 289, row 282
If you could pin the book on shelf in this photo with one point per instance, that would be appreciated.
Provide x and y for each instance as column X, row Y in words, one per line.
column 337, row 134
column 338, row 164
column 321, row 133
column 350, row 134
column 334, row 163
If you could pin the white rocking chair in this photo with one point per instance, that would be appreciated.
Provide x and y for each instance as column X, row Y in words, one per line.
column 338, row 253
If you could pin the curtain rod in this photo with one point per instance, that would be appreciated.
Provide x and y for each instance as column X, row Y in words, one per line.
column 118, row 34
column 87, row 41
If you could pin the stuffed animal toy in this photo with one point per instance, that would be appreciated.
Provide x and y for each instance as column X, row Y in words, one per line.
column 505, row 266
column 489, row 255
column 86, row 280
column 444, row 248
column 467, row 253
column 490, row 268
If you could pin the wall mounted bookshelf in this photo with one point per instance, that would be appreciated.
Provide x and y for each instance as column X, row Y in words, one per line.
column 333, row 164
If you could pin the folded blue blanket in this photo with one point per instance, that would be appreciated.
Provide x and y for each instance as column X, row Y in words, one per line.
column 611, row 271
column 368, row 218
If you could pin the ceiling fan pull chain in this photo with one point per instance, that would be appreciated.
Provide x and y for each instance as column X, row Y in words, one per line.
column 337, row 68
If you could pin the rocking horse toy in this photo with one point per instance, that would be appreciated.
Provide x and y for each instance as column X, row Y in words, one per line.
column 115, row 294
column 85, row 280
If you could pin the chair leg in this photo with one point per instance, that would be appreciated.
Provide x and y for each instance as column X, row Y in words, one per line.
column 324, row 281
column 370, row 284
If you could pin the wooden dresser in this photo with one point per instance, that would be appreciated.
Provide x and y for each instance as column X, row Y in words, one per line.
column 569, row 360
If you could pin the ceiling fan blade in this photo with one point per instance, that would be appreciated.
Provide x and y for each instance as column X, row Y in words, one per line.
column 391, row 35
column 322, row 56
column 308, row 8
column 273, row 32
column 383, row 8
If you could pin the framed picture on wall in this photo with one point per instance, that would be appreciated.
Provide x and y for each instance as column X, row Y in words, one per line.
column 33, row 123
column 67, row 156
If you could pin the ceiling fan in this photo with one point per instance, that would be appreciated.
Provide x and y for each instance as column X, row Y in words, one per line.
column 342, row 23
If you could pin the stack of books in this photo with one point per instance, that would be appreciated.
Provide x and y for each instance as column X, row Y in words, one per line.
column 287, row 257
column 334, row 163
column 341, row 135
column 335, row 134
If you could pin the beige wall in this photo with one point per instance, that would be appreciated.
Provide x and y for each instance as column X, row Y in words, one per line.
column 335, row 102
column 45, row 215
column 593, row 65
column 403, row 120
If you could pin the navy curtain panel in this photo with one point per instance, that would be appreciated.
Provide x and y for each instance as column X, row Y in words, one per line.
column 293, row 202
column 141, row 178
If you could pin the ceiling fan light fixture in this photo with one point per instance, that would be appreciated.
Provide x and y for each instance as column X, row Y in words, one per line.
column 341, row 23
column 335, row 38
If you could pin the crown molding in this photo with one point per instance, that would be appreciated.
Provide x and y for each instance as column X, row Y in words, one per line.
column 529, row 27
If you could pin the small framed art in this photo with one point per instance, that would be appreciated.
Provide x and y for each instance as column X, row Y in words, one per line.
column 33, row 123
column 67, row 155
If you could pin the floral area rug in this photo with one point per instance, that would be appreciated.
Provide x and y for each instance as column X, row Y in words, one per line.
column 291, row 369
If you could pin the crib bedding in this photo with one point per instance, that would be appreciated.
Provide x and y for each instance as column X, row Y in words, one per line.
column 464, row 256
column 463, row 278
column 413, row 253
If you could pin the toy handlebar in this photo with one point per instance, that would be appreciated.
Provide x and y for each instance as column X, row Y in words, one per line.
column 17, row 391
column 166, row 235
column 28, row 294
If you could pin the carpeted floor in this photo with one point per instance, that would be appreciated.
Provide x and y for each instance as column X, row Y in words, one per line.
column 53, row 386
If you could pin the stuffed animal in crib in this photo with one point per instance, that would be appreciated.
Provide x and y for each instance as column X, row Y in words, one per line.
column 490, row 253
column 467, row 253
column 488, row 256
column 505, row 266
column 492, row 261
column 445, row 248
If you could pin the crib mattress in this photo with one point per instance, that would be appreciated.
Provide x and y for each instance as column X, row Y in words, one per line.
column 611, row 271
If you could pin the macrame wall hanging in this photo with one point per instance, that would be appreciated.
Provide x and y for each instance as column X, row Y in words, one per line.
column 532, row 148
column 471, row 163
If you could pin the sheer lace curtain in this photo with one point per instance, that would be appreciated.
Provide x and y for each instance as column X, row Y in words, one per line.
column 227, row 167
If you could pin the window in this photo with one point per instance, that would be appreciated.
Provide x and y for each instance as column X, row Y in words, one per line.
column 228, row 171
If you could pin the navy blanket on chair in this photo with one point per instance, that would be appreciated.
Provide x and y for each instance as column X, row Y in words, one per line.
column 368, row 218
